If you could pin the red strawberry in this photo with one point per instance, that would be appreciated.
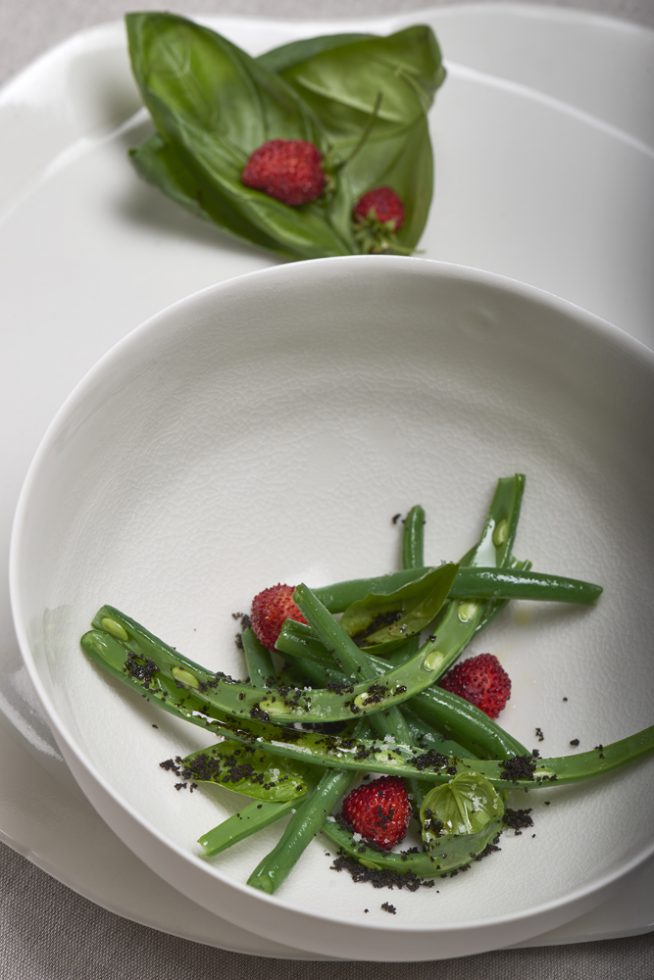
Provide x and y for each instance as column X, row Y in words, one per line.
column 269, row 610
column 379, row 811
column 481, row 680
column 382, row 205
column 290, row 170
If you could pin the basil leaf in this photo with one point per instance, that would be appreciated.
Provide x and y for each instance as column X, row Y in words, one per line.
column 212, row 106
column 250, row 772
column 342, row 86
column 380, row 618
column 290, row 54
column 159, row 164
column 464, row 805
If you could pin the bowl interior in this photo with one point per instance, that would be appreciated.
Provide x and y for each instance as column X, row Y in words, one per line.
column 268, row 430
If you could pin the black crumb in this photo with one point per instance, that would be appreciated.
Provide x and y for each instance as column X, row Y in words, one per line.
column 395, row 518
column 600, row 750
column 517, row 820
column 518, row 767
column 154, row 726
column 366, row 911
column 539, row 734
column 387, row 907
column 565, row 699
column 378, row 877
column 574, row 741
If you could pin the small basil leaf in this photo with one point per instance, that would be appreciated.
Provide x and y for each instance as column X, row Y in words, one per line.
column 380, row 618
column 465, row 805
column 247, row 771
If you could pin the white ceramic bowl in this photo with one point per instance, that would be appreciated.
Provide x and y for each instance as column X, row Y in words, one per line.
column 267, row 429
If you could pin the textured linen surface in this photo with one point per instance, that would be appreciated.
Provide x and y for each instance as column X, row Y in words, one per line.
column 47, row 932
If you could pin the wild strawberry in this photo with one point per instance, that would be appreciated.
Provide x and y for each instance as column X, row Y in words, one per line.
column 481, row 680
column 289, row 170
column 270, row 609
column 377, row 216
column 379, row 811
column 382, row 205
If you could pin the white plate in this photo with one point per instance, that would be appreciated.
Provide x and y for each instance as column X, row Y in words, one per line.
column 78, row 226
column 233, row 425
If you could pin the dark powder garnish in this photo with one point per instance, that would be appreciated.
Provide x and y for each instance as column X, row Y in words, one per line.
column 574, row 741
column 432, row 760
column 518, row 767
column 380, row 877
column 517, row 820
column 383, row 619
column 387, row 907
column 539, row 734
column 140, row 669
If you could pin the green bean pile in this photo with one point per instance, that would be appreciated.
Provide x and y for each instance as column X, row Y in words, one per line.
column 276, row 741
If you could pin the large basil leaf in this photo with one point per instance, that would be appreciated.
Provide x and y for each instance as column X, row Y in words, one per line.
column 380, row 618
column 212, row 106
column 343, row 85
column 286, row 55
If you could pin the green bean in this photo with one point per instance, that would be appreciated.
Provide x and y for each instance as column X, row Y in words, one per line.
column 308, row 819
column 443, row 711
column 493, row 583
column 223, row 695
column 355, row 663
column 299, row 640
column 454, row 852
column 361, row 755
column 427, row 737
column 413, row 536
column 257, row 660
column 471, row 582
column 374, row 755
column 249, row 820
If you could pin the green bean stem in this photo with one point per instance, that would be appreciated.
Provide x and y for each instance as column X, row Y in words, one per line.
column 308, row 819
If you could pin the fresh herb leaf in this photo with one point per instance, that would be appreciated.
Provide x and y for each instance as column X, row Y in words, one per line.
column 249, row 772
column 380, row 618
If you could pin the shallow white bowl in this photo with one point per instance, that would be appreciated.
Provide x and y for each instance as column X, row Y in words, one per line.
column 267, row 429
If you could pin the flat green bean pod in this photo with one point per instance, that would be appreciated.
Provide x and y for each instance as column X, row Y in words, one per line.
column 223, row 694
column 453, row 853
